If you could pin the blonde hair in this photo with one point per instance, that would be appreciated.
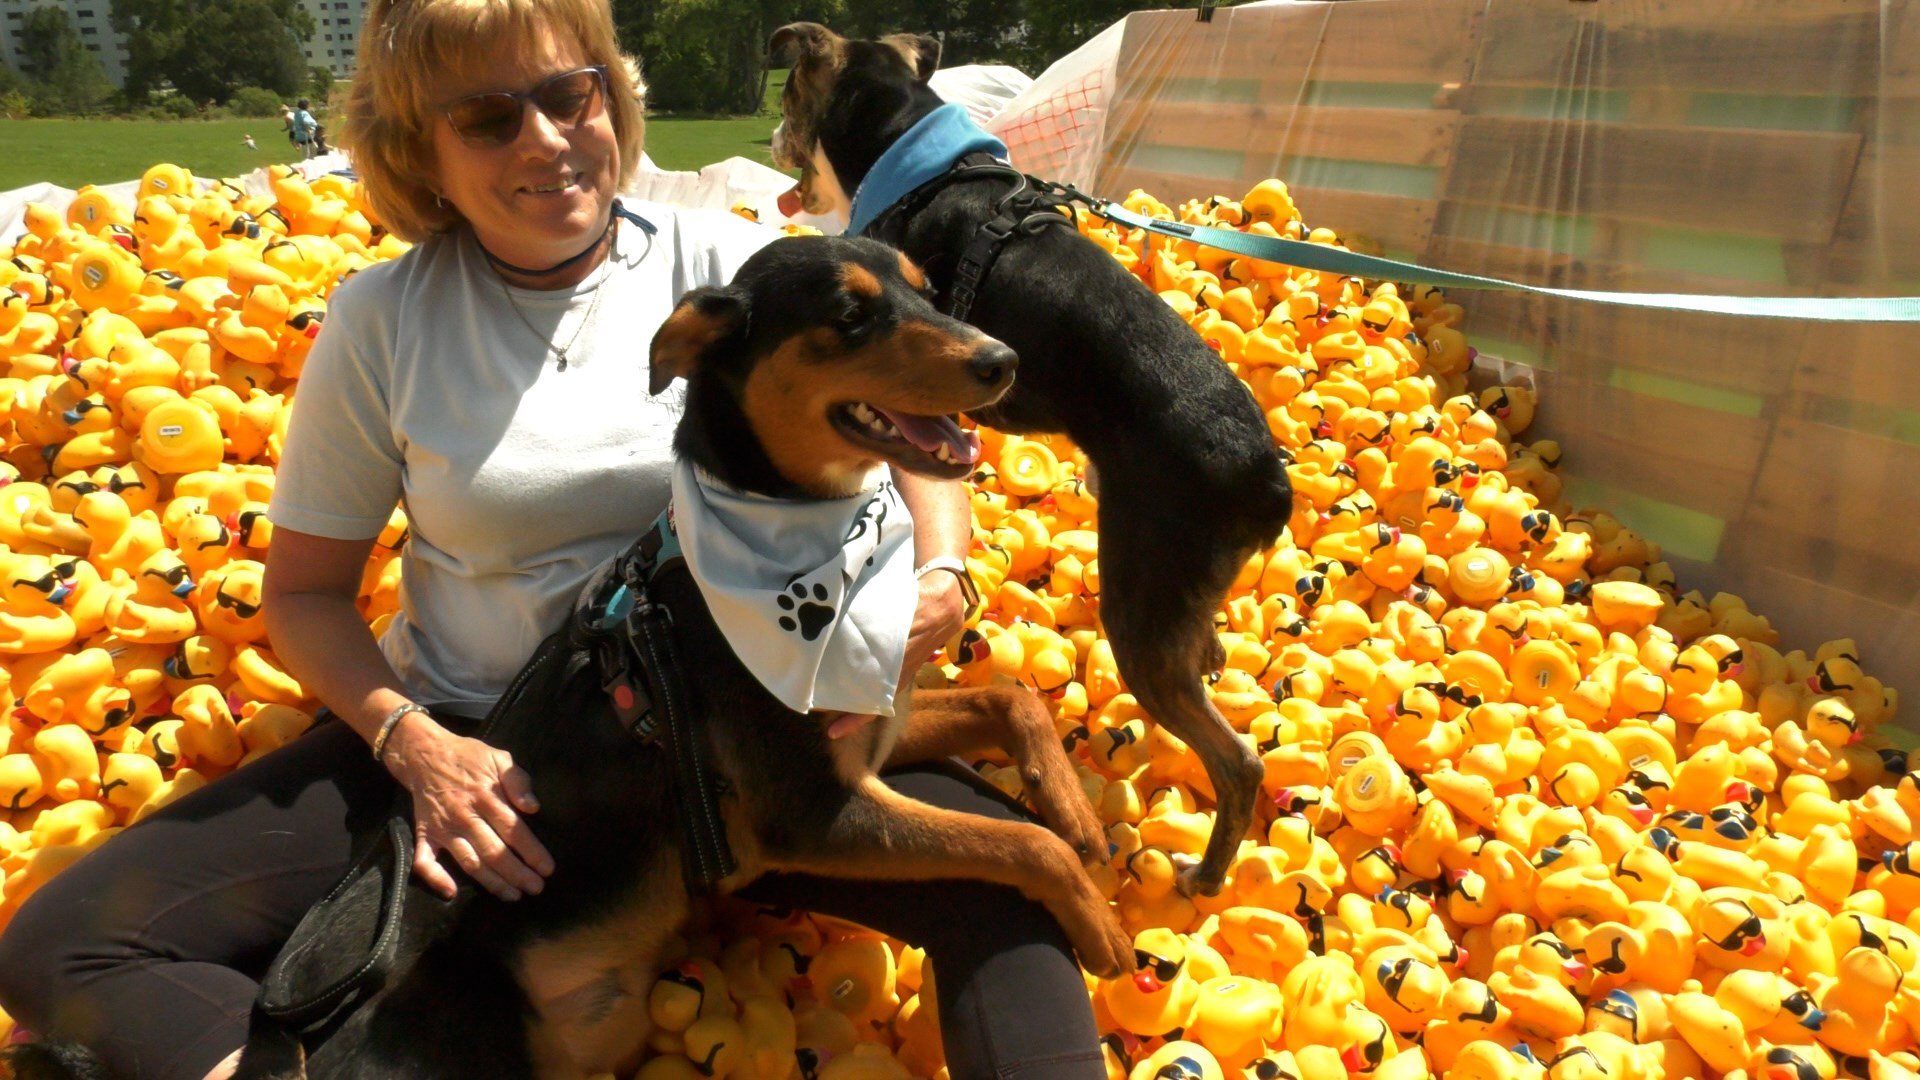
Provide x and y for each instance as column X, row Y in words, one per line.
column 407, row 45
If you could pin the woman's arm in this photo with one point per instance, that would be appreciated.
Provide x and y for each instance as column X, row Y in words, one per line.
column 468, row 797
column 942, row 525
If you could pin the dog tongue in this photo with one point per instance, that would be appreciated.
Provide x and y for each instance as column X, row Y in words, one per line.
column 790, row 201
column 929, row 432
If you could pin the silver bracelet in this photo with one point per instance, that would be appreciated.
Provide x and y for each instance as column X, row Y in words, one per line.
column 387, row 726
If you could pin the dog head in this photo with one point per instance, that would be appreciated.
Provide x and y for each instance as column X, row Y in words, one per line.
column 845, row 95
column 822, row 359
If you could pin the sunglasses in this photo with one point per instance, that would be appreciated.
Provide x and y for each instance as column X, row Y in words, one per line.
column 493, row 119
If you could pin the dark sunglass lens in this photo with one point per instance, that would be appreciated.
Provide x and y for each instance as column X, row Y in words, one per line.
column 571, row 98
column 487, row 118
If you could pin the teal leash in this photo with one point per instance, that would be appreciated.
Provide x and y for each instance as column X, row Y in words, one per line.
column 1887, row 309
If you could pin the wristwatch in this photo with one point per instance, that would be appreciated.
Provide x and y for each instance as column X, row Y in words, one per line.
column 969, row 592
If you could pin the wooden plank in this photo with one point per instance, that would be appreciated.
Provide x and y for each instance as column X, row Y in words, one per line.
column 1688, row 177
column 1746, row 356
column 1408, row 41
column 1742, row 46
column 1702, row 459
column 1171, row 188
column 1816, row 475
column 1396, row 136
column 1870, row 365
column 1877, row 239
column 1394, row 222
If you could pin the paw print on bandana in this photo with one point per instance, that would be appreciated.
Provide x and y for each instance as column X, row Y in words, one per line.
column 808, row 616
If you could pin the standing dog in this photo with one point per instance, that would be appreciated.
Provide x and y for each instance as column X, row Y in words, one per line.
column 1190, row 483
column 821, row 362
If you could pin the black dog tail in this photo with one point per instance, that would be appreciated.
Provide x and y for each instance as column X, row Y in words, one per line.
column 272, row 1053
column 50, row 1061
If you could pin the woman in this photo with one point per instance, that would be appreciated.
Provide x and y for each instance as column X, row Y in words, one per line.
column 495, row 379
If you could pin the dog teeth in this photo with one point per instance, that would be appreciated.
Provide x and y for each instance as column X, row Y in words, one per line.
column 941, row 453
column 876, row 424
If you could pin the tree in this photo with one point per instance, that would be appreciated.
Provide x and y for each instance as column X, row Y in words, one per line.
column 320, row 83
column 209, row 48
column 62, row 76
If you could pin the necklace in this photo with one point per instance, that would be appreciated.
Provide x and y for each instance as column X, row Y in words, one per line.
column 560, row 351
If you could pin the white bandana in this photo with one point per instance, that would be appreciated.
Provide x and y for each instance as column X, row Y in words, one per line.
column 816, row 597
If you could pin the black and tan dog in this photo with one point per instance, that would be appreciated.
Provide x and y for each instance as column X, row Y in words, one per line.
column 788, row 369
column 1190, row 484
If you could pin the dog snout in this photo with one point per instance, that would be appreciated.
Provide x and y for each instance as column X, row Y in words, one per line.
column 993, row 363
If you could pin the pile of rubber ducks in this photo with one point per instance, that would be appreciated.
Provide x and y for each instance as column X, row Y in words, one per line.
column 1530, row 808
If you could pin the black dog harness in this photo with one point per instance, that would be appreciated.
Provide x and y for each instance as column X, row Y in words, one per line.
column 1032, row 205
column 633, row 638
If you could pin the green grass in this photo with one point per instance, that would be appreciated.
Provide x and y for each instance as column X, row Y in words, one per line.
column 75, row 152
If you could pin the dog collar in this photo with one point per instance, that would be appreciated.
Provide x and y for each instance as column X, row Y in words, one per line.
column 928, row 149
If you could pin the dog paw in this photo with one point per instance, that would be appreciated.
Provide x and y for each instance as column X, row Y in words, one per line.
column 806, row 615
column 1107, row 951
column 1065, row 809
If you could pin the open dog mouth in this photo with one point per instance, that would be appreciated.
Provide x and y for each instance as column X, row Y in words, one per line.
column 933, row 445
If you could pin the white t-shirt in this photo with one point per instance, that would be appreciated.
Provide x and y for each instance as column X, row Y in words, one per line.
column 435, row 384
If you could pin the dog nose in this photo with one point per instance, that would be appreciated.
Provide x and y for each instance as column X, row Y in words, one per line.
column 993, row 364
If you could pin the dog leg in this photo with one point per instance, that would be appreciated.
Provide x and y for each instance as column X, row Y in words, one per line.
column 1163, row 641
column 879, row 834
column 960, row 722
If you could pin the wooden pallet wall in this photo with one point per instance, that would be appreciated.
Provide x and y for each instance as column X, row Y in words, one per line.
column 1749, row 147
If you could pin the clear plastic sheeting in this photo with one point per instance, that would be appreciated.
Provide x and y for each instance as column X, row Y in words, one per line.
column 1745, row 147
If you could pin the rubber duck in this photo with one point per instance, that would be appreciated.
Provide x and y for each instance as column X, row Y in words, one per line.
column 1739, row 929
column 1858, row 1003
column 127, row 782
column 208, row 738
column 69, row 764
column 152, row 609
column 1161, row 995
column 31, row 619
column 228, row 601
column 263, row 678
column 120, row 541
column 1179, row 1059
column 1234, row 1018
column 1318, row 993
column 1486, row 1060
column 79, row 689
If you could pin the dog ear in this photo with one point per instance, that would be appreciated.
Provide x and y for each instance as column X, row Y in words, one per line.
column 921, row 50
column 795, row 43
column 702, row 319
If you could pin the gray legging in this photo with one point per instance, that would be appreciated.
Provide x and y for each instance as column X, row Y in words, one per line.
column 149, row 950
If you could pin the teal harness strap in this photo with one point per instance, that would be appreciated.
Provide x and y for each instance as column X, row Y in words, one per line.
column 1887, row 309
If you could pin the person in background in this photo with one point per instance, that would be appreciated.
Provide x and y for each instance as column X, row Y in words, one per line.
column 303, row 128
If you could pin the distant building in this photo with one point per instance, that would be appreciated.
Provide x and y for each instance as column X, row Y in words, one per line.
column 336, row 33
column 89, row 17
column 335, row 42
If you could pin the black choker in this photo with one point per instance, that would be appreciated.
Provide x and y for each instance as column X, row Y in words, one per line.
column 502, row 264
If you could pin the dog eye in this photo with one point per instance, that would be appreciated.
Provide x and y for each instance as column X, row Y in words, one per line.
column 851, row 318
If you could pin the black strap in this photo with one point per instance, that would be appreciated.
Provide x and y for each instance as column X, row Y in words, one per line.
column 1028, row 207
column 646, row 684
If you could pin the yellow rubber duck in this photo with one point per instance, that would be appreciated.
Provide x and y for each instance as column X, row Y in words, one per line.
column 31, row 618
column 1161, row 995
column 151, row 608
column 120, row 541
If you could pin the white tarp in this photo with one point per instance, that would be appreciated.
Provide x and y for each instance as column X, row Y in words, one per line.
column 1055, row 127
column 984, row 89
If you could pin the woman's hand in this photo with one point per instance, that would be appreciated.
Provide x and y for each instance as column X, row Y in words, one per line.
column 468, row 798
column 940, row 614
